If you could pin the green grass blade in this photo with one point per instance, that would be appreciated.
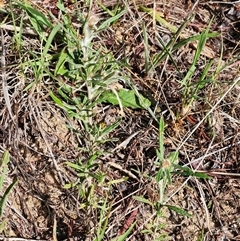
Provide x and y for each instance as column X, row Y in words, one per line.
column 109, row 21
column 113, row 12
column 56, row 100
column 125, row 235
column 53, row 33
column 110, row 128
column 37, row 19
column 62, row 59
column 4, row 167
column 201, row 44
column 161, row 139
column 167, row 52
column 146, row 47
column 103, row 221
column 5, row 196
column 158, row 58
column 203, row 81
column 159, row 18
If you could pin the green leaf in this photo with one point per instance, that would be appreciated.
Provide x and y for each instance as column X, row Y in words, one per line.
column 50, row 38
column 161, row 139
column 60, row 6
column 60, row 68
column 75, row 166
column 178, row 210
column 110, row 128
column 110, row 20
column 56, row 100
column 186, row 171
column 125, row 235
column 4, row 167
column 128, row 98
column 143, row 200
column 159, row 18
column 5, row 196
column 37, row 19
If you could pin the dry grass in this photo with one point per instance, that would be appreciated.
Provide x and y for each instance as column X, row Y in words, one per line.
column 111, row 177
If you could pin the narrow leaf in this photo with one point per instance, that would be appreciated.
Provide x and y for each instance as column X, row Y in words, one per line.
column 5, row 196
column 107, row 23
column 186, row 171
column 56, row 100
column 143, row 200
column 125, row 235
column 178, row 210
column 4, row 167
column 50, row 39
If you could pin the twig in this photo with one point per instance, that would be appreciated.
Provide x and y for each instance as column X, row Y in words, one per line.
column 20, row 239
column 4, row 78
column 212, row 153
column 117, row 166
column 218, row 173
column 18, row 29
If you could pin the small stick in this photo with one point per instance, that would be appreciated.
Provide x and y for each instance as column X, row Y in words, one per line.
column 13, row 28
column 4, row 78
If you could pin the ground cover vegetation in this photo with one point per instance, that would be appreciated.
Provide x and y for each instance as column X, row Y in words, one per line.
column 119, row 120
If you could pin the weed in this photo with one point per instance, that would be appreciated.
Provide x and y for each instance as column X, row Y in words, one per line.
column 190, row 89
column 3, row 170
column 85, row 75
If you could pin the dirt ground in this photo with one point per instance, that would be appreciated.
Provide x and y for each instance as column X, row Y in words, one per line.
column 40, row 135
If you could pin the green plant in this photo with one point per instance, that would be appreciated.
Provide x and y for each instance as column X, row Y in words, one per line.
column 3, row 173
column 126, row 234
column 190, row 88
column 103, row 220
column 191, row 84
column 163, row 177
column 174, row 44
column 85, row 74
column 167, row 167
